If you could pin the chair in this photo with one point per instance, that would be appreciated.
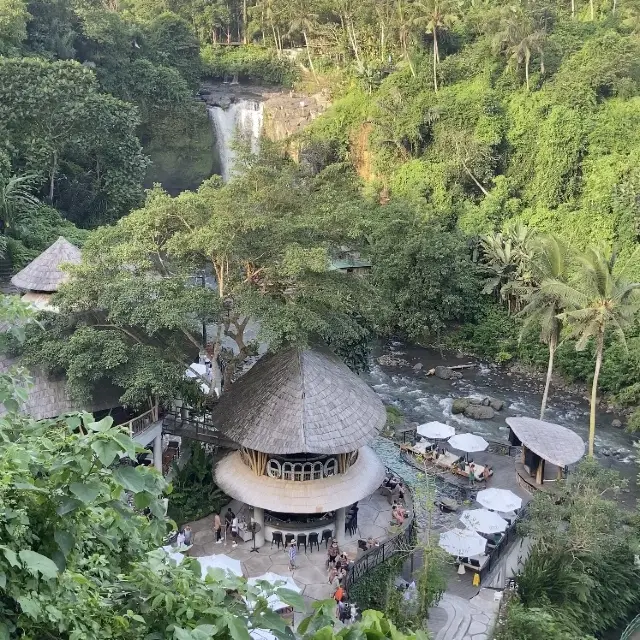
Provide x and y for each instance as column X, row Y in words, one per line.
column 313, row 539
column 362, row 544
column 327, row 534
column 277, row 537
column 474, row 562
column 302, row 539
column 289, row 537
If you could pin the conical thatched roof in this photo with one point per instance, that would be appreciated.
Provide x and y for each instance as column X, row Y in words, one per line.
column 43, row 273
column 300, row 401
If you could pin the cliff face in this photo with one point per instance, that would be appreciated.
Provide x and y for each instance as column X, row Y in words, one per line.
column 285, row 112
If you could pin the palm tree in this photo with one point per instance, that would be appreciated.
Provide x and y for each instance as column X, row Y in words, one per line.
column 15, row 197
column 437, row 16
column 520, row 39
column 302, row 21
column 549, row 264
column 600, row 297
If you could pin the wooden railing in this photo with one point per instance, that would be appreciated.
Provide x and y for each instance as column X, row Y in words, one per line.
column 142, row 422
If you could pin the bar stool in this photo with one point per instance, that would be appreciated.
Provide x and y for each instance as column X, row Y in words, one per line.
column 313, row 539
column 277, row 537
column 302, row 539
column 289, row 537
column 327, row 534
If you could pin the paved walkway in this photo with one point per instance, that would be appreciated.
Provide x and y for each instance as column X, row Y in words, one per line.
column 311, row 574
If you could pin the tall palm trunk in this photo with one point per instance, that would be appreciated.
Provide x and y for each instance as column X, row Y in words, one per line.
column 591, row 10
column 306, row 44
column 594, row 391
column 435, row 60
column 553, row 342
column 573, row 8
column 527, row 59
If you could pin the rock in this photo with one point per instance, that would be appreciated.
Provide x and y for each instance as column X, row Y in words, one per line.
column 616, row 423
column 418, row 367
column 477, row 401
column 459, row 405
column 479, row 412
column 496, row 405
column 389, row 361
column 486, row 402
column 605, row 452
column 444, row 373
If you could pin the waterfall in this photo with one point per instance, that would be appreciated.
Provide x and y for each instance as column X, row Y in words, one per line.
column 242, row 118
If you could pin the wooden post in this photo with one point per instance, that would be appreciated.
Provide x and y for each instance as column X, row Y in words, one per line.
column 524, row 451
column 540, row 473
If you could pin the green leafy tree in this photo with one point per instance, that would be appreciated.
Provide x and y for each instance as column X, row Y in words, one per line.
column 13, row 25
column 543, row 306
column 15, row 198
column 600, row 298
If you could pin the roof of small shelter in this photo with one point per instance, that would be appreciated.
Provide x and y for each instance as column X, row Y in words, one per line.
column 237, row 479
column 44, row 273
column 300, row 401
column 552, row 442
column 48, row 397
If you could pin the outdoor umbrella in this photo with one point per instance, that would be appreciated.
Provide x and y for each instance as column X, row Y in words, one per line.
column 462, row 543
column 499, row 500
column 468, row 443
column 483, row 521
column 220, row 561
column 435, row 430
column 280, row 582
column 197, row 369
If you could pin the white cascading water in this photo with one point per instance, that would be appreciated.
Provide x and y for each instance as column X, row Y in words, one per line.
column 241, row 119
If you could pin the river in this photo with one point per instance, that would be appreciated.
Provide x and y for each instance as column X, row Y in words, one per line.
column 423, row 398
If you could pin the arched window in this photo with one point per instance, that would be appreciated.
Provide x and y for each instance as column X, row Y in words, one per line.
column 307, row 470
column 318, row 470
column 297, row 471
column 287, row 471
column 274, row 469
column 330, row 467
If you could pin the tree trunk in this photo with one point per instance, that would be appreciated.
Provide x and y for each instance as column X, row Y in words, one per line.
column 244, row 21
column 275, row 39
column 306, row 44
column 52, row 176
column 527, row 59
column 594, row 391
column 573, row 8
column 615, row 4
column 435, row 60
column 552, row 352
column 382, row 41
column 591, row 9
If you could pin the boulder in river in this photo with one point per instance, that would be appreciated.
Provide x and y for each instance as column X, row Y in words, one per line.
column 459, row 405
column 418, row 367
column 445, row 373
column 479, row 412
column 616, row 423
column 495, row 404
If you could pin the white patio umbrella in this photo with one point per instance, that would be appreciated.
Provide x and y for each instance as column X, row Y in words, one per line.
column 284, row 582
column 483, row 521
column 499, row 500
column 468, row 442
column 462, row 543
column 435, row 430
column 197, row 369
column 220, row 561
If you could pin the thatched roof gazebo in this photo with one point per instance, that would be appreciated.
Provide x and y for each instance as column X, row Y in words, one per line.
column 544, row 442
column 43, row 276
column 302, row 421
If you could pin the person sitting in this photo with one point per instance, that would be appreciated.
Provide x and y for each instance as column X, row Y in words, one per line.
column 397, row 513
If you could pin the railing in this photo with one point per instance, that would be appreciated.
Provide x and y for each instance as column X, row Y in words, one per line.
column 185, row 422
column 403, row 541
column 631, row 629
column 142, row 422
column 495, row 446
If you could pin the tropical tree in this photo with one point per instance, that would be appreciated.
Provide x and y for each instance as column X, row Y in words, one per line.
column 549, row 264
column 302, row 21
column 600, row 297
column 519, row 39
column 436, row 16
column 15, row 197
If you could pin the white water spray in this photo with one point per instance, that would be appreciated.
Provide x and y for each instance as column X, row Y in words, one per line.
column 243, row 119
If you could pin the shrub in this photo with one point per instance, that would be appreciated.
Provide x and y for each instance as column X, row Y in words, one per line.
column 195, row 494
column 251, row 63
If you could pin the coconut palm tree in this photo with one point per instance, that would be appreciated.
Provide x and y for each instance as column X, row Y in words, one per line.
column 302, row 20
column 599, row 298
column 15, row 197
column 436, row 16
column 549, row 264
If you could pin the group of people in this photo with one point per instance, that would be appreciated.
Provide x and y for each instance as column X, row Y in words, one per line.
column 338, row 564
column 398, row 512
column 231, row 526
column 395, row 485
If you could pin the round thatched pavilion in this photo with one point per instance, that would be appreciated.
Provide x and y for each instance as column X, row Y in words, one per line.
column 302, row 421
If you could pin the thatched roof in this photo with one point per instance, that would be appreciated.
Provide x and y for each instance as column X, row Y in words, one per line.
column 236, row 479
column 49, row 398
column 553, row 443
column 300, row 401
column 43, row 273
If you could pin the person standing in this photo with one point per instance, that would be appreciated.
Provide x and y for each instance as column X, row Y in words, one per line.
column 188, row 536
column 293, row 552
column 228, row 518
column 217, row 528
column 472, row 475
column 234, row 531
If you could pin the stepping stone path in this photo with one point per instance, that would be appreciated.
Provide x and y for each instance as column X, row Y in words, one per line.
column 457, row 618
